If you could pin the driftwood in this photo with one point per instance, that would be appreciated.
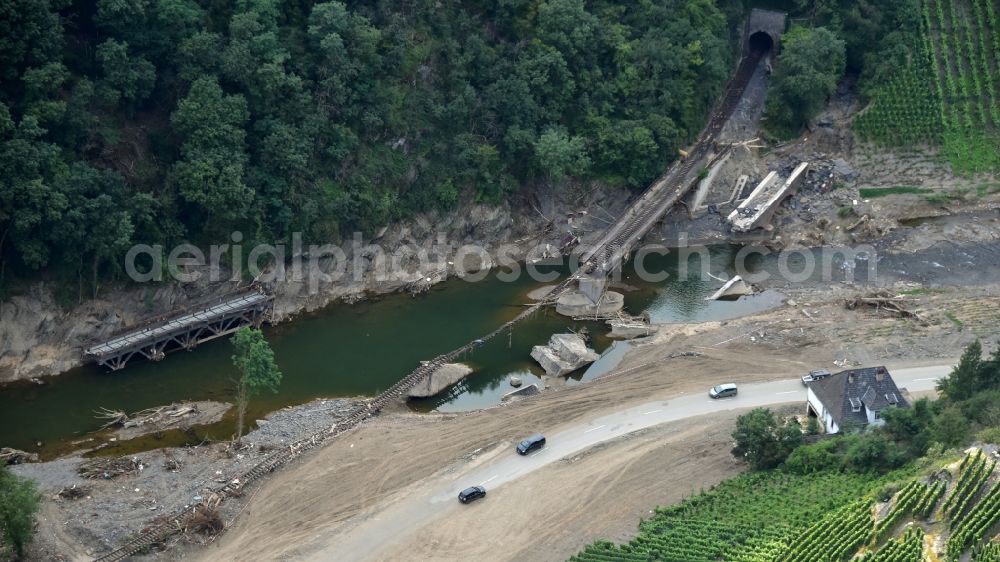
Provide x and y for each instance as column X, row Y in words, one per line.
column 15, row 456
column 206, row 521
column 114, row 417
column 862, row 220
column 74, row 492
column 160, row 416
column 110, row 468
column 883, row 301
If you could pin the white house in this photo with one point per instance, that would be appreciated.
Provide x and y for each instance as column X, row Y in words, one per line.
column 856, row 397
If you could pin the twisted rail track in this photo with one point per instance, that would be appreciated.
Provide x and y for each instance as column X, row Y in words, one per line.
column 607, row 254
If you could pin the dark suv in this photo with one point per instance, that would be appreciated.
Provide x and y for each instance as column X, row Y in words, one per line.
column 471, row 494
column 533, row 443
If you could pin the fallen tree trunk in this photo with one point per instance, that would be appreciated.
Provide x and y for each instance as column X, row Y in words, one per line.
column 884, row 302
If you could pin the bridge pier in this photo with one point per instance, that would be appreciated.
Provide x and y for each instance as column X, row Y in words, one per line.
column 591, row 298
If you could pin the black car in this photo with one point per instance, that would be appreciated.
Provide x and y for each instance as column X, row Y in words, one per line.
column 533, row 443
column 471, row 494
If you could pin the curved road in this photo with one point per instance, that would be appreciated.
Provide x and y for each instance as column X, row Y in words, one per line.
column 364, row 541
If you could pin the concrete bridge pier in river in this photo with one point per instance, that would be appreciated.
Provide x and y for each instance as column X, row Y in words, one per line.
column 591, row 298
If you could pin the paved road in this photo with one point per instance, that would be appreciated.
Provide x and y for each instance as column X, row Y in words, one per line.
column 363, row 543
column 573, row 440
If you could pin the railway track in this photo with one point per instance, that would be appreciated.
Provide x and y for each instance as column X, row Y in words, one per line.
column 638, row 219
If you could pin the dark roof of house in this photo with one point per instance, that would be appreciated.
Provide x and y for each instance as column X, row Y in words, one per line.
column 872, row 388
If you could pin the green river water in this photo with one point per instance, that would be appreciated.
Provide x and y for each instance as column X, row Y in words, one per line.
column 351, row 350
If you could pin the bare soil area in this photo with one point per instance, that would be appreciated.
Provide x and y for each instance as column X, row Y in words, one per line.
column 601, row 492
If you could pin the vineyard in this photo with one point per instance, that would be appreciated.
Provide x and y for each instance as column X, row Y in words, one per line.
column 832, row 516
column 987, row 553
column 948, row 94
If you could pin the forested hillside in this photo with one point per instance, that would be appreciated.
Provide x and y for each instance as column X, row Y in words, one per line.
column 157, row 121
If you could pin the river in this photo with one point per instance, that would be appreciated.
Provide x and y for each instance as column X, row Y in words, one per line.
column 354, row 350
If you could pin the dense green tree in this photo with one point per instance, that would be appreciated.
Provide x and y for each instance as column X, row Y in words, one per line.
column 254, row 360
column 348, row 61
column 569, row 27
column 43, row 93
column 762, row 440
column 910, row 426
column 30, row 202
column 130, row 77
column 272, row 117
column 811, row 63
column 96, row 226
column 559, row 154
column 30, row 35
column 18, row 504
column 961, row 382
column 983, row 407
column 211, row 172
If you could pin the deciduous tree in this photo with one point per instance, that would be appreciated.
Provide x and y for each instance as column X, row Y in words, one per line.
column 254, row 360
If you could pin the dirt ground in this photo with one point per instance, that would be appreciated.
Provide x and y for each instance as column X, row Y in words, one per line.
column 602, row 492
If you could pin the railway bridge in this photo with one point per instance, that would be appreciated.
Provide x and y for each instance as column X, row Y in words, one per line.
column 182, row 329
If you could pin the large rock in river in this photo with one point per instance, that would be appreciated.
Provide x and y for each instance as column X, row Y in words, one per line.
column 445, row 376
column 564, row 354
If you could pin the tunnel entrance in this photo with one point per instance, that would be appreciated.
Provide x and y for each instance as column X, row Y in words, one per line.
column 760, row 42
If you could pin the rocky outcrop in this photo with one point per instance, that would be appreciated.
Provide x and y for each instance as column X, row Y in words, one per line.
column 564, row 354
column 445, row 376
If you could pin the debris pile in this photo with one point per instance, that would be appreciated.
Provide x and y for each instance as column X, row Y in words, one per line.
column 627, row 326
column 206, row 521
column 161, row 418
column 74, row 492
column 173, row 465
column 15, row 456
column 883, row 301
column 110, row 468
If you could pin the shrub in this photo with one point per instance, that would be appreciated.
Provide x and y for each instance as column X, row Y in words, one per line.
column 816, row 457
column 18, row 505
column 872, row 452
column 989, row 435
column 950, row 428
